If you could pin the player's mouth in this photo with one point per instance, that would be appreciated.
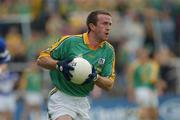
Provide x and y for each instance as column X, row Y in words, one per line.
column 107, row 34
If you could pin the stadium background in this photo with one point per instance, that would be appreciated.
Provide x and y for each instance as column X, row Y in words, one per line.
column 29, row 26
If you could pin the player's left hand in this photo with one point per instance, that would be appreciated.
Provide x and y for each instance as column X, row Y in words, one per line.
column 92, row 77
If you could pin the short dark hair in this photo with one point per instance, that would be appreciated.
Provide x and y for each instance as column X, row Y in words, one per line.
column 92, row 17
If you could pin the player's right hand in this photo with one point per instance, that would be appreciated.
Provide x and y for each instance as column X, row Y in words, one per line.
column 65, row 68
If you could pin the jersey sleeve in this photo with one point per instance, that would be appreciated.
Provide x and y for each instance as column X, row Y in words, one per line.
column 58, row 49
column 155, row 72
column 109, row 68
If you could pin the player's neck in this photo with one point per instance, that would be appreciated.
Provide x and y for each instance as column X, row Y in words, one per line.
column 93, row 41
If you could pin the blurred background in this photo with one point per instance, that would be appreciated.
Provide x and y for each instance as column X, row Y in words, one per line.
column 30, row 26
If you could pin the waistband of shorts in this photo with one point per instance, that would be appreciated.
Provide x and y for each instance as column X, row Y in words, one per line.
column 55, row 90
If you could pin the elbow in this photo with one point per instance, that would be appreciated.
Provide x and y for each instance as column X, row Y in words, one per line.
column 109, row 88
column 38, row 62
column 105, row 83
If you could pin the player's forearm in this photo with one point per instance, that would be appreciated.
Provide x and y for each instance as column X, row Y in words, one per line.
column 104, row 83
column 47, row 62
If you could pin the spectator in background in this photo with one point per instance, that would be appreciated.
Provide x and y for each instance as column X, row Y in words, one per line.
column 35, row 44
column 167, row 70
column 134, row 33
column 142, row 81
column 7, row 84
column 149, row 23
column 31, row 83
column 16, row 45
column 167, row 30
column 54, row 24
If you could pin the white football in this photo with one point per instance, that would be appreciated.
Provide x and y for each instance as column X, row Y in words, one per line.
column 82, row 68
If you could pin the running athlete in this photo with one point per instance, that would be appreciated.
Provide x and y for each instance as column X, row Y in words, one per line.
column 142, row 85
column 68, row 101
column 31, row 83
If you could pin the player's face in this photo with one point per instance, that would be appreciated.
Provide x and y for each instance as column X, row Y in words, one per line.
column 102, row 28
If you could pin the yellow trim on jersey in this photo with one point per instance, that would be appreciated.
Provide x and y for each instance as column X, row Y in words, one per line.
column 54, row 90
column 44, row 53
column 79, row 35
column 86, row 41
column 112, row 77
column 55, row 45
column 59, row 42
column 155, row 73
column 109, row 45
column 85, row 38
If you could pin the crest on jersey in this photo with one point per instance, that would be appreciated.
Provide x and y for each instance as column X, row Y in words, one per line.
column 101, row 61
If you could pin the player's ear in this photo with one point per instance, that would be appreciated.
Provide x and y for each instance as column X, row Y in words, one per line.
column 92, row 26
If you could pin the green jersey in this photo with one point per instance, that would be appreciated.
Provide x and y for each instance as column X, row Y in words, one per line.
column 145, row 74
column 68, row 47
column 34, row 82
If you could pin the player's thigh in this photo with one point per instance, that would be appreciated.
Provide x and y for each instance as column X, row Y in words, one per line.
column 64, row 117
column 59, row 106
column 146, row 97
column 7, row 103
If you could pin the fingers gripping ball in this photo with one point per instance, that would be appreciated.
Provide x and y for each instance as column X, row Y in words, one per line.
column 82, row 69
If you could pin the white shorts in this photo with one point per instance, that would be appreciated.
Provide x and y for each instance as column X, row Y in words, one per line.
column 7, row 103
column 60, row 104
column 33, row 98
column 146, row 97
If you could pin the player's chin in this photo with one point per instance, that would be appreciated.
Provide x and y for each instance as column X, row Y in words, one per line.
column 102, row 40
column 105, row 38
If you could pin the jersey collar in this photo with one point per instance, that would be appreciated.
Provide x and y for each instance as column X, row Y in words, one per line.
column 86, row 41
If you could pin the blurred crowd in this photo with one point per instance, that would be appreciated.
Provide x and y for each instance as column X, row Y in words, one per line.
column 29, row 26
